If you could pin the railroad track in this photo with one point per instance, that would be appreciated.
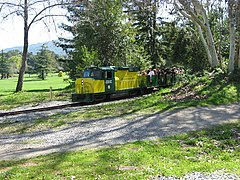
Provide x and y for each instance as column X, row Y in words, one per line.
column 47, row 108
column 11, row 113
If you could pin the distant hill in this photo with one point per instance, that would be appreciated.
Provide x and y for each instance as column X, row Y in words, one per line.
column 34, row 48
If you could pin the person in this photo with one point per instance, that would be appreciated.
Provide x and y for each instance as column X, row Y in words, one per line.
column 151, row 73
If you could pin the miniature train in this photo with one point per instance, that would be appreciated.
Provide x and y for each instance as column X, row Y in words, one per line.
column 100, row 83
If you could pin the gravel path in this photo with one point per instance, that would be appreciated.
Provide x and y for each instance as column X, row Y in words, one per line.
column 110, row 131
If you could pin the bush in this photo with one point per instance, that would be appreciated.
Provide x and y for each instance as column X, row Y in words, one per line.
column 234, row 77
column 60, row 74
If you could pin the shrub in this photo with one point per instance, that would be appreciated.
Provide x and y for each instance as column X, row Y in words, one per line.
column 60, row 74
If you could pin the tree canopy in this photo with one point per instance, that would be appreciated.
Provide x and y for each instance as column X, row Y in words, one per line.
column 199, row 35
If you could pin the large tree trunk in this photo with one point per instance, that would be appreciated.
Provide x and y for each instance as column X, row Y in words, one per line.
column 209, row 37
column 238, row 58
column 25, row 49
column 232, row 52
column 211, row 45
column 232, row 32
column 205, row 44
column 238, row 33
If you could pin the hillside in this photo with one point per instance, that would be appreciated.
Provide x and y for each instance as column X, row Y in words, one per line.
column 34, row 48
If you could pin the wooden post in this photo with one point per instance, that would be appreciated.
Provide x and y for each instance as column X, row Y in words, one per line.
column 50, row 92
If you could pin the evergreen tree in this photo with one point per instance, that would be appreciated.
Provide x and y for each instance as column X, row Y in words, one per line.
column 103, row 36
column 45, row 62
column 144, row 19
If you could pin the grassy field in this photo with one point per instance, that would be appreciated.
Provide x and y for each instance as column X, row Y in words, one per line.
column 35, row 90
column 207, row 150
column 32, row 82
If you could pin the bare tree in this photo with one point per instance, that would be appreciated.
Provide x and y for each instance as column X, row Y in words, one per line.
column 32, row 11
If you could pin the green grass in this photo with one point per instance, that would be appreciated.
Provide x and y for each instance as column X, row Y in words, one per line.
column 207, row 150
column 34, row 91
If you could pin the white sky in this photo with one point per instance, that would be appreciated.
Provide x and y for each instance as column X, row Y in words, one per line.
column 11, row 33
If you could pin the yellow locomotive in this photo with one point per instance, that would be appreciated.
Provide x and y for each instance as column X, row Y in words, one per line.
column 99, row 83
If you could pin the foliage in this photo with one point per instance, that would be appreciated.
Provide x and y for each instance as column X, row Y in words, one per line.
column 234, row 76
column 103, row 36
column 126, row 33
column 188, row 50
column 9, row 63
column 219, row 27
column 45, row 61
column 60, row 74
column 143, row 16
column 98, row 29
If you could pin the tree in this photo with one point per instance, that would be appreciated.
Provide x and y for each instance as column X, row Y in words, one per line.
column 45, row 61
column 194, row 10
column 3, row 65
column 103, row 35
column 9, row 63
column 32, row 12
column 234, row 31
column 14, row 64
column 143, row 15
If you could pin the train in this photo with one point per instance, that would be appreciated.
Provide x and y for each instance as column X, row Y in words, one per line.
column 102, row 83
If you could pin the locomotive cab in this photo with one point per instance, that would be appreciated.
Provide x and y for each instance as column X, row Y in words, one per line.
column 95, row 83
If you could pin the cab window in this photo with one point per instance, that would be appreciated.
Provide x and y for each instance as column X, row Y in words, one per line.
column 108, row 75
column 86, row 74
column 96, row 74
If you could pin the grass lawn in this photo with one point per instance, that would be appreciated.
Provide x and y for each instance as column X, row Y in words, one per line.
column 207, row 150
column 32, row 82
column 35, row 90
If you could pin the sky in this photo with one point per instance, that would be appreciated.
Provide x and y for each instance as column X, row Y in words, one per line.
column 11, row 33
column 11, row 30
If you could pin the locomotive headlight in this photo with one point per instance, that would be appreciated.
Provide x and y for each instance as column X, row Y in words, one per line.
column 82, row 81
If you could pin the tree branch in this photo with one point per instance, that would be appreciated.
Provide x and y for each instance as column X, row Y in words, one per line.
column 10, row 4
column 40, row 12
column 188, row 13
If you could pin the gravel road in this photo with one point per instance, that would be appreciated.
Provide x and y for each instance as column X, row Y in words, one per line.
column 110, row 131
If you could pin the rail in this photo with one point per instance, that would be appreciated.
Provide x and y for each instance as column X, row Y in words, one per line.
column 11, row 113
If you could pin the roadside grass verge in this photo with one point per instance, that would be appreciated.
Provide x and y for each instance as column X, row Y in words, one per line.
column 206, row 150
column 35, row 91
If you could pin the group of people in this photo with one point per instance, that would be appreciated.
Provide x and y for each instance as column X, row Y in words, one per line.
column 158, row 71
column 161, row 72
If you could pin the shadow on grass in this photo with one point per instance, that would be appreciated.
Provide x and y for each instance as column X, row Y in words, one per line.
column 45, row 90
column 32, row 80
column 7, row 93
column 134, row 155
